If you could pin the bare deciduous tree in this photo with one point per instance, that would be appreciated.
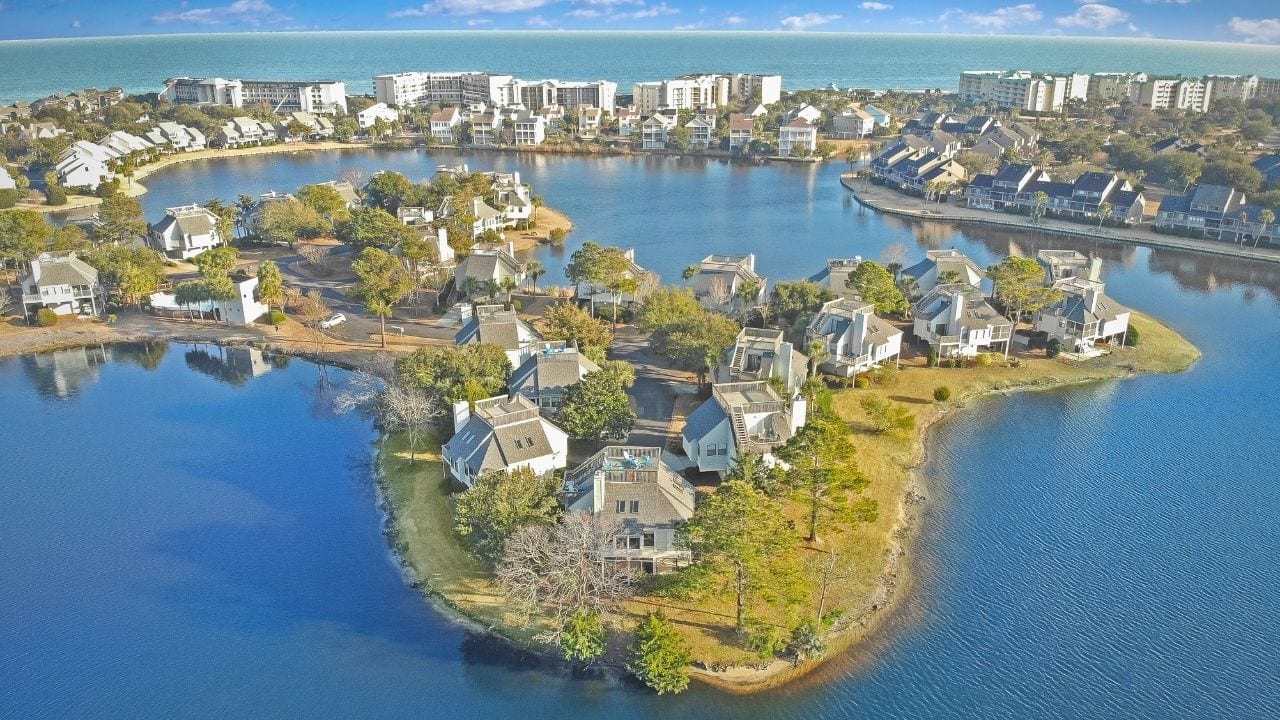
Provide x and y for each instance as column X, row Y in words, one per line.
column 559, row 568
column 398, row 408
column 316, row 257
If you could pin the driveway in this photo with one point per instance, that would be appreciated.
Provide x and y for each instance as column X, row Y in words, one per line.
column 655, row 390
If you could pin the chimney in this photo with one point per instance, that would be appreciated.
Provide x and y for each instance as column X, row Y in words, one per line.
column 597, row 491
column 1095, row 268
column 957, row 311
column 859, row 331
column 1091, row 297
column 799, row 413
column 461, row 414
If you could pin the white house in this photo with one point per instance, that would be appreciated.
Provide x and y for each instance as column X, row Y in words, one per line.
column 421, row 219
column 628, row 121
column 548, row 371
column 85, row 164
column 178, row 138
column 241, row 131
column 531, row 128
column 944, row 267
column 728, row 283
column 1084, row 317
column 63, row 283
column 761, row 354
column 636, row 488
column 880, row 117
column 488, row 262
column 646, row 281
column 701, row 130
column 739, row 419
column 484, row 129
column 1063, row 264
column 367, row 117
column 589, row 121
column 503, row 433
column 185, row 232
column 654, row 130
column 853, row 338
column 242, row 309
column 444, row 125
column 496, row 326
column 806, row 112
column 797, row 136
column 956, row 321
column 123, row 144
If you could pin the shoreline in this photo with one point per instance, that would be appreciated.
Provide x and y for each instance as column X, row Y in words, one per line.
column 950, row 214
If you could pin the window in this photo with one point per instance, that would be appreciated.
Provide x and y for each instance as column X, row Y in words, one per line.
column 648, row 540
column 633, row 543
column 519, row 443
column 622, row 506
column 635, row 507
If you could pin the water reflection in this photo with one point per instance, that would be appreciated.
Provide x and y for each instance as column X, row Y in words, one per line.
column 232, row 365
column 63, row 374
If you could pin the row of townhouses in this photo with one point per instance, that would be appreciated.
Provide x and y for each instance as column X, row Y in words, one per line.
column 88, row 164
column 1023, row 187
column 1042, row 92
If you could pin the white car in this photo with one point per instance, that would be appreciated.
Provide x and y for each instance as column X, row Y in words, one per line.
column 334, row 319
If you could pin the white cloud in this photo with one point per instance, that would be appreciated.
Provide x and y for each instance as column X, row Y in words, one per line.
column 240, row 12
column 75, row 23
column 583, row 13
column 690, row 26
column 1094, row 16
column 650, row 11
column 1263, row 30
column 807, row 20
column 469, row 7
column 1168, row 2
column 998, row 19
column 537, row 21
column 734, row 20
column 477, row 22
column 876, row 6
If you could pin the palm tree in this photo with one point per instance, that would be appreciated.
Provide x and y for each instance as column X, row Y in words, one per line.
column 534, row 270
column 1105, row 211
column 1040, row 202
column 1266, row 217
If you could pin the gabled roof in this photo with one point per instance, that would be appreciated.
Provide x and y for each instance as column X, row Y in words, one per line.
column 51, row 269
column 495, row 327
column 551, row 366
column 1094, row 182
column 502, row 432
column 633, row 475
column 704, row 419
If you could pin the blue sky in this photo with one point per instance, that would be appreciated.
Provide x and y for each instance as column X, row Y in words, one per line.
column 1253, row 21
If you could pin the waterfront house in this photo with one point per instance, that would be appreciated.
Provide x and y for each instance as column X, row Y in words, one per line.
column 243, row 131
column 589, row 121
column 911, row 163
column 808, row 113
column 1004, row 188
column 346, row 191
column 531, row 128
column 1063, row 264
column 85, row 165
column 177, row 138
column 728, row 283
column 646, row 281
column 880, row 117
column 369, row 116
column 628, row 121
column 798, row 137
column 701, row 130
column 514, row 199
column 956, row 321
column 852, row 337
column 1016, row 185
column 484, row 129
column 761, row 354
column 944, row 267
column 251, row 218
column 852, row 123
column 125, row 144
column 488, row 263
column 185, row 232
column 740, row 418
column 654, row 130
column 634, row 487
column 496, row 325
column 502, row 433
column 318, row 127
column 444, row 125
column 1215, row 211
column 63, row 283
column 242, row 308
column 836, row 273
column 1084, row 317
column 741, row 129
column 547, row 372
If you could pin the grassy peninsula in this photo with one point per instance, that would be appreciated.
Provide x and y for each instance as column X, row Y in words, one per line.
column 875, row 556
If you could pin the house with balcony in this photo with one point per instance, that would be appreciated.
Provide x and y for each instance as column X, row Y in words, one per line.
column 63, row 283
column 628, row 121
column 1005, row 188
column 550, row 369
column 1215, row 211
column 911, row 163
column 852, row 123
column 251, row 219
column 654, row 131
column 185, row 232
column 636, row 488
column 852, row 337
column 797, row 138
column 484, row 129
column 701, row 130
column 243, row 131
column 1084, row 317
column 956, row 321
column 1016, row 186
column 244, row 307
column 646, row 281
column 741, row 131
column 369, row 116
column 761, row 354
column 740, row 418
column 173, row 137
column 1063, row 264
column 86, row 165
column 502, row 433
column 444, row 125
column 728, row 283
column 531, row 128
column 836, row 273
column 489, row 263
column 495, row 325
column 944, row 267
column 589, row 121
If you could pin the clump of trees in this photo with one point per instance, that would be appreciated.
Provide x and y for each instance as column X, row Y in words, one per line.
column 598, row 407
column 888, row 417
column 659, row 656
column 872, row 282
column 467, row 372
column 682, row 330
column 501, row 503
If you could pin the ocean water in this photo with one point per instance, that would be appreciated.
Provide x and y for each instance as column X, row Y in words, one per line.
column 34, row 68
column 212, row 547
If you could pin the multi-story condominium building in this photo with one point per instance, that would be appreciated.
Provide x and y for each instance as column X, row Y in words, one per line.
column 63, row 283
column 1268, row 87
column 647, row 498
column 313, row 96
column 534, row 94
column 408, row 89
column 686, row 93
column 755, row 89
column 1232, row 87
column 1114, row 86
column 797, row 137
column 740, row 418
column 1021, row 89
column 1173, row 94
column 852, row 337
column 185, row 232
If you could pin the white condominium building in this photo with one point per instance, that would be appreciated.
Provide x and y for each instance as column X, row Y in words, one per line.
column 1173, row 94
column 313, row 96
column 443, row 88
column 1021, row 89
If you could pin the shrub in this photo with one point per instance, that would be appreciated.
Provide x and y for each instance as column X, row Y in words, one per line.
column 942, row 393
column 888, row 417
column 659, row 656
column 1132, row 337
column 1053, row 348
column 46, row 317
column 55, row 196
column 275, row 317
column 985, row 359
column 582, row 637
column 8, row 198
column 807, row 641
column 608, row 311
column 933, row 358
column 862, row 382
column 961, row 362
column 556, row 236
column 764, row 639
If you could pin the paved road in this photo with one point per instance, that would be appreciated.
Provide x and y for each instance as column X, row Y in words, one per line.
column 655, row 389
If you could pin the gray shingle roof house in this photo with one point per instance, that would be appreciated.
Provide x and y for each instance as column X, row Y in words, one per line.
column 63, row 283
column 488, row 262
column 1061, row 264
column 1215, row 211
column 1084, row 316
column 636, row 488
column 956, row 320
column 550, row 369
column 185, row 232
column 498, row 326
column 940, row 266
column 502, row 433
column 728, row 283
column 853, row 338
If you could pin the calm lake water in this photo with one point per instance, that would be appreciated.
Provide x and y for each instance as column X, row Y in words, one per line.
column 33, row 68
column 213, row 549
